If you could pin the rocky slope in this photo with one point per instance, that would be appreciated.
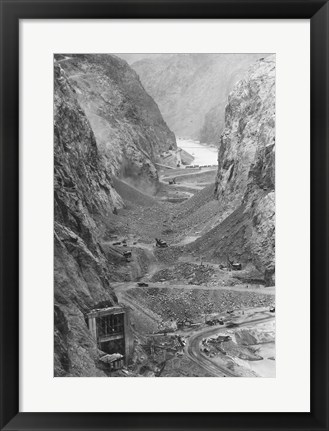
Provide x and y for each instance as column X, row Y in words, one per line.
column 105, row 125
column 245, row 184
column 191, row 89
column 84, row 199
column 129, row 129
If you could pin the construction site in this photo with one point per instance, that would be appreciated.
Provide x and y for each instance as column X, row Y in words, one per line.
column 164, row 227
column 181, row 312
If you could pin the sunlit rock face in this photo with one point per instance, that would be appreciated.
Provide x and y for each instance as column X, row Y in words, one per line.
column 246, row 161
column 129, row 129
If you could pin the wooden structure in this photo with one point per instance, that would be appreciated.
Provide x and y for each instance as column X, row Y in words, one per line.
column 109, row 326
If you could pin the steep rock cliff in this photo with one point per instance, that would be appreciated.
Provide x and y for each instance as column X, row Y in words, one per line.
column 213, row 125
column 84, row 199
column 245, row 183
column 129, row 129
column 191, row 89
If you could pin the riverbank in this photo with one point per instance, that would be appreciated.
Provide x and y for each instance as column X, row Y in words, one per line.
column 203, row 154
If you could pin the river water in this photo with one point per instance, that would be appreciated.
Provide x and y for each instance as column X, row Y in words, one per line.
column 203, row 154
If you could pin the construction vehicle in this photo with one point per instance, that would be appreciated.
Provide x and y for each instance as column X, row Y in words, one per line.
column 142, row 284
column 234, row 265
column 160, row 243
column 272, row 309
column 212, row 322
column 127, row 255
column 186, row 323
column 231, row 324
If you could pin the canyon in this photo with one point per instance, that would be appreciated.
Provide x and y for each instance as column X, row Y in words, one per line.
column 121, row 180
column 191, row 90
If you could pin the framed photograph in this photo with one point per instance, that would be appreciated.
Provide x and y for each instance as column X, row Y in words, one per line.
column 164, row 176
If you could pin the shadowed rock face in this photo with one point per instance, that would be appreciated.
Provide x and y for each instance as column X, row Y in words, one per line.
column 191, row 89
column 105, row 124
column 246, row 161
column 129, row 129
column 83, row 202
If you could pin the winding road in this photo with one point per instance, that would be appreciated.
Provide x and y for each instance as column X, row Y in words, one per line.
column 192, row 348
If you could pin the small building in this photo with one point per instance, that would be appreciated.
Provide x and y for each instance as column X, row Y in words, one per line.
column 115, row 361
column 110, row 328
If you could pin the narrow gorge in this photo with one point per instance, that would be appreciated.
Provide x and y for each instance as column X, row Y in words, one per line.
column 164, row 266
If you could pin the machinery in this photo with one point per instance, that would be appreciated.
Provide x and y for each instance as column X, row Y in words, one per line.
column 142, row 284
column 231, row 324
column 160, row 243
column 127, row 255
column 213, row 322
column 234, row 265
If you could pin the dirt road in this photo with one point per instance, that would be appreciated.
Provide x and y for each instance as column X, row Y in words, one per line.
column 176, row 298
column 192, row 348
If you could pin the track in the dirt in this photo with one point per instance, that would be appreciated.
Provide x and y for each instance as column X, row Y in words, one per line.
column 193, row 349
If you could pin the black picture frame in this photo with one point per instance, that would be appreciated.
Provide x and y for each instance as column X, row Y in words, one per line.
column 11, row 12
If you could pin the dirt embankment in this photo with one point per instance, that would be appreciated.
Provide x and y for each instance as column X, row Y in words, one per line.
column 185, row 272
column 194, row 303
column 184, row 283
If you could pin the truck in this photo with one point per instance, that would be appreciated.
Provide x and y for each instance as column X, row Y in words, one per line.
column 235, row 266
column 160, row 243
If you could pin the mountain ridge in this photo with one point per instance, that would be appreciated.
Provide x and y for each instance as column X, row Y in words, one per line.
column 191, row 89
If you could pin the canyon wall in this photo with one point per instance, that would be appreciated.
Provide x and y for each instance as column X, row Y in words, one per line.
column 191, row 89
column 129, row 129
column 245, row 183
column 105, row 125
column 84, row 199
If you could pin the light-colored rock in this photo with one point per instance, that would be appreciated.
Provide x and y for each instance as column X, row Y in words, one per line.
column 129, row 129
column 246, row 161
column 245, row 185
column 191, row 89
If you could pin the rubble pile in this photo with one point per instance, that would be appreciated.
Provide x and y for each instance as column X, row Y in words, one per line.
column 199, row 213
column 164, row 357
column 168, row 256
column 182, row 303
column 148, row 222
column 193, row 274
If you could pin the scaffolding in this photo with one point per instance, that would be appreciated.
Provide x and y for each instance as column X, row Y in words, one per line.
column 109, row 327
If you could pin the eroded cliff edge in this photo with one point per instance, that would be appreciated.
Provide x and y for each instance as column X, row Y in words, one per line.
column 83, row 198
column 245, row 183
column 128, row 126
column 105, row 125
column 191, row 89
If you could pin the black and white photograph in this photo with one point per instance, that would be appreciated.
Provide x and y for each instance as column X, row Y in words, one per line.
column 164, row 215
